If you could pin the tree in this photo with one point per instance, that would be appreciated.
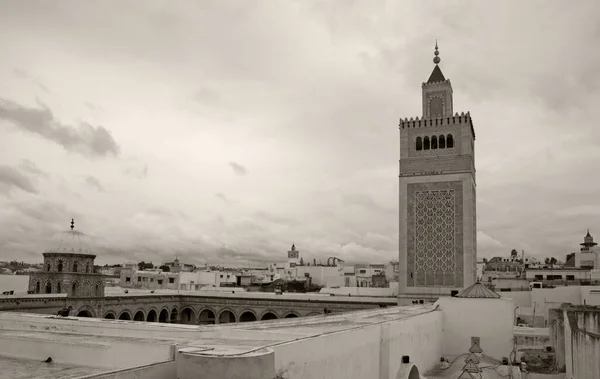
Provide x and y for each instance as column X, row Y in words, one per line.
column 485, row 260
column 550, row 261
column 569, row 256
column 165, row 268
column 143, row 265
column 514, row 253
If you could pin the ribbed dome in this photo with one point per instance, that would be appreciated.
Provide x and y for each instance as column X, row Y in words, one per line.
column 70, row 241
column 478, row 291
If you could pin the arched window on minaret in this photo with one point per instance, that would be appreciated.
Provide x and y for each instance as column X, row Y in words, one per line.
column 434, row 142
column 37, row 287
column 449, row 141
column 60, row 266
column 426, row 143
column 75, row 267
column 442, row 142
column 87, row 269
column 48, row 267
column 48, row 287
column 419, row 143
column 58, row 289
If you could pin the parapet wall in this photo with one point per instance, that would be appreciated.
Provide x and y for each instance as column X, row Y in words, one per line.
column 574, row 332
column 462, row 118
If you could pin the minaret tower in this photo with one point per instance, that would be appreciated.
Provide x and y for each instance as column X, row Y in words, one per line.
column 293, row 256
column 588, row 243
column 438, row 235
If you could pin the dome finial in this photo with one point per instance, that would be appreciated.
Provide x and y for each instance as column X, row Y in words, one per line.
column 436, row 59
column 72, row 223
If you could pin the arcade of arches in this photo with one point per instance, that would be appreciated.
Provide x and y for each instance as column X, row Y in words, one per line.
column 189, row 316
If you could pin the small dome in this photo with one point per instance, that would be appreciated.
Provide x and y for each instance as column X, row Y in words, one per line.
column 70, row 241
column 478, row 291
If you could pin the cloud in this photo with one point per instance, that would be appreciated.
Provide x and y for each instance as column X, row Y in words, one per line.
column 138, row 172
column 221, row 196
column 313, row 111
column 11, row 178
column 26, row 76
column 30, row 167
column 86, row 139
column 364, row 200
column 94, row 183
column 238, row 169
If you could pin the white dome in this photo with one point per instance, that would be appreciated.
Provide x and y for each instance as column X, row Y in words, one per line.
column 71, row 241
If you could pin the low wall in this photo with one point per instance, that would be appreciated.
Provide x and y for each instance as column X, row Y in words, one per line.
column 532, row 338
column 491, row 320
column 360, row 291
column 97, row 327
column 164, row 370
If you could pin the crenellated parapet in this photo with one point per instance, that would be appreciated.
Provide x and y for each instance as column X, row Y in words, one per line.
column 436, row 83
column 423, row 122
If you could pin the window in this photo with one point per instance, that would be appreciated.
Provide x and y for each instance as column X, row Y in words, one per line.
column 449, row 141
column 442, row 142
column 419, row 144
column 87, row 269
column 426, row 143
column 539, row 277
column 97, row 290
column 127, row 279
column 37, row 287
column 570, row 277
column 48, row 287
column 74, row 289
column 75, row 267
column 58, row 289
column 171, row 280
column 139, row 278
column 48, row 267
column 221, row 276
column 362, row 271
column 434, row 142
column 60, row 266
column 159, row 281
column 152, row 279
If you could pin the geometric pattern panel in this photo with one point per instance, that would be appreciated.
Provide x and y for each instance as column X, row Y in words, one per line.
column 434, row 234
column 434, row 237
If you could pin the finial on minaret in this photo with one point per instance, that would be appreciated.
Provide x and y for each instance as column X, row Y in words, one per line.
column 72, row 223
column 436, row 59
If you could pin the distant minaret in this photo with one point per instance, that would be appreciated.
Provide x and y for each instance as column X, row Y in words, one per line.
column 293, row 256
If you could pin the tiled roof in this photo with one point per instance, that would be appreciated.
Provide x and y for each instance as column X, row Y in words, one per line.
column 436, row 75
column 478, row 291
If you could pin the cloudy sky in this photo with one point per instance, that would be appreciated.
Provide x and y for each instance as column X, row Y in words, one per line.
column 223, row 131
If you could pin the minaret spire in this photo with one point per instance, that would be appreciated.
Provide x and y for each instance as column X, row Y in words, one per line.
column 436, row 59
column 72, row 223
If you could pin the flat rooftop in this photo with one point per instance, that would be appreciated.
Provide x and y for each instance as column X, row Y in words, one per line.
column 490, row 369
column 247, row 338
column 16, row 368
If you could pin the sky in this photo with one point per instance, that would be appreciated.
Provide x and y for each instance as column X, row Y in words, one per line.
column 223, row 131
